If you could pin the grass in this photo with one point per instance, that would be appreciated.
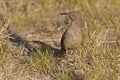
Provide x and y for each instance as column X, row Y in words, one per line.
column 101, row 40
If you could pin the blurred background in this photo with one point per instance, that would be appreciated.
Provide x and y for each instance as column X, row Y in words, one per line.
column 23, row 13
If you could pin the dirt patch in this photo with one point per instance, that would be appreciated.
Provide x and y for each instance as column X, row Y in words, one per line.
column 35, row 37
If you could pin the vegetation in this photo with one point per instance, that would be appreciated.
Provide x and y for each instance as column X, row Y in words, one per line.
column 99, row 53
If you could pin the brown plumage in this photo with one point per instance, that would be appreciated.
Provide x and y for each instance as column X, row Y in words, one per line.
column 72, row 37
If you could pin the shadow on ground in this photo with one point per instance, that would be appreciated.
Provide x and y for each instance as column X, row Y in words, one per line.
column 44, row 47
column 18, row 41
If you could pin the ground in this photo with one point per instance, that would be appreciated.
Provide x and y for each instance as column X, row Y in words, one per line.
column 30, row 34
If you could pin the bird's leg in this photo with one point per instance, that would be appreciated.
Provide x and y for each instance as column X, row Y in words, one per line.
column 66, row 52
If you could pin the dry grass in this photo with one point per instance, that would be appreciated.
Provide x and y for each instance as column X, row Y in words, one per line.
column 100, row 47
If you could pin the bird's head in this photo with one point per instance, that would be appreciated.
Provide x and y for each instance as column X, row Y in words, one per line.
column 74, row 15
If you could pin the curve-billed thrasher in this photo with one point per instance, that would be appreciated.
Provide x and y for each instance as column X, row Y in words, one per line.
column 72, row 37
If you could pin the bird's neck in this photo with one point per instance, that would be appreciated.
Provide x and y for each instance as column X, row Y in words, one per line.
column 77, row 23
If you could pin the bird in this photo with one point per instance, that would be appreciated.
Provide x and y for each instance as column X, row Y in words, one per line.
column 73, row 35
